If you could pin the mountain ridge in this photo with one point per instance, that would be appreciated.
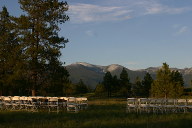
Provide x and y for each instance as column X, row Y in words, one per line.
column 93, row 74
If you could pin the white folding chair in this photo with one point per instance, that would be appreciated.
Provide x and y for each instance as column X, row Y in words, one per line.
column 82, row 102
column 132, row 105
column 7, row 103
column 15, row 102
column 143, row 105
column 43, row 102
column 23, row 102
column 62, row 102
column 161, row 105
column 65, row 99
column 31, row 104
column 170, row 106
column 53, row 104
column 181, row 105
column 152, row 105
column 72, row 105
column 156, row 105
column 189, row 105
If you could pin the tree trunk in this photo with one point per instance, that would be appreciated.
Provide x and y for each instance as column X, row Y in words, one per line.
column 33, row 92
column 165, row 96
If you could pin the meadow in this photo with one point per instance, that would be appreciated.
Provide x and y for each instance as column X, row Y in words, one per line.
column 101, row 113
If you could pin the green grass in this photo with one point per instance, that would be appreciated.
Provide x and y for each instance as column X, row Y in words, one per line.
column 100, row 114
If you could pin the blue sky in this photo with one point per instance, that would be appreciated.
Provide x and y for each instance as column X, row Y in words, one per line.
column 134, row 33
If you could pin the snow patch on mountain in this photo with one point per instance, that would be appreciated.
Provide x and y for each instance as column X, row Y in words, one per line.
column 89, row 65
column 113, row 67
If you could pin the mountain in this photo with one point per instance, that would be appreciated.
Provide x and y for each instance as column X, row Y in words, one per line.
column 90, row 74
column 93, row 74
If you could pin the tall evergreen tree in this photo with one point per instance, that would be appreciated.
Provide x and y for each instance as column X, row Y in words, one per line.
column 177, row 77
column 81, row 87
column 56, row 81
column 137, row 89
column 115, row 84
column 125, row 83
column 9, row 51
column 124, row 76
column 107, row 82
column 147, row 82
column 39, row 37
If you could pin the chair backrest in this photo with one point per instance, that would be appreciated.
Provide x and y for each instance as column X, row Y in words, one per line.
column 143, row 100
column 159, row 101
column 60, row 97
column 132, row 101
column 84, row 99
column 29, row 98
column 54, row 99
column 170, row 102
column 23, row 98
column 181, row 102
column 15, row 98
column 7, row 98
column 152, row 101
column 39, row 97
column 1, row 98
column 189, row 102
column 43, row 100
column 65, row 98
column 71, row 100
column 79, row 99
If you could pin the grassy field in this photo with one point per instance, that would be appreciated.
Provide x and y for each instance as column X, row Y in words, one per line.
column 100, row 114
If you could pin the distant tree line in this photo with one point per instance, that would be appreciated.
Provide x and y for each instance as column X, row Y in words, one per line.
column 167, row 84
column 30, row 48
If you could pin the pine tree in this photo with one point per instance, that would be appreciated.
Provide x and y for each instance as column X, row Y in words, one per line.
column 9, row 51
column 81, row 87
column 57, row 79
column 124, row 76
column 125, row 83
column 165, row 85
column 39, row 37
column 137, row 89
column 177, row 79
column 147, row 82
column 115, row 84
column 107, row 82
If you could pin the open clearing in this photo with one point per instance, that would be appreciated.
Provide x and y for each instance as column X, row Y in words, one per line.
column 101, row 113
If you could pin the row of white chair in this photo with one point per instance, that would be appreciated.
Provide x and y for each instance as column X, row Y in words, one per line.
column 155, row 105
column 39, row 102
column 76, row 104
